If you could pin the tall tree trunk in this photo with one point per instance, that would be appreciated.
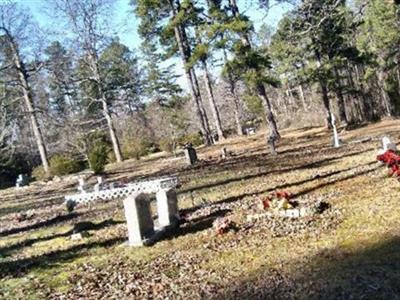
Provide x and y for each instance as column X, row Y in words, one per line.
column 367, row 101
column 111, row 129
column 274, row 133
column 105, row 109
column 324, row 91
column 341, row 102
column 202, row 110
column 213, row 104
column 302, row 98
column 235, row 96
column 191, row 77
column 236, row 100
column 385, row 96
column 360, row 102
column 326, row 102
column 28, row 99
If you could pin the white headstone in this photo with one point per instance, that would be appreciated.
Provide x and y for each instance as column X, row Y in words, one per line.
column 138, row 218
column 81, row 186
column 167, row 207
column 388, row 145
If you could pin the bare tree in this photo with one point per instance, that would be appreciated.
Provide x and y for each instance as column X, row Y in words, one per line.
column 17, row 29
column 88, row 20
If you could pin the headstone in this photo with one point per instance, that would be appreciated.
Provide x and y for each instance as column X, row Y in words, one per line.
column 167, row 208
column 139, row 220
column 336, row 142
column 99, row 184
column 250, row 131
column 224, row 153
column 388, row 145
column 81, row 186
column 22, row 180
column 190, row 154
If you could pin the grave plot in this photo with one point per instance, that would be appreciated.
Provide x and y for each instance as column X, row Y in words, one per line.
column 222, row 249
column 136, row 199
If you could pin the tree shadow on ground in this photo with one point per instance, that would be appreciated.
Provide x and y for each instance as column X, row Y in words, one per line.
column 7, row 250
column 44, row 223
column 297, row 183
column 33, row 205
column 306, row 165
column 196, row 225
column 370, row 273
column 19, row 267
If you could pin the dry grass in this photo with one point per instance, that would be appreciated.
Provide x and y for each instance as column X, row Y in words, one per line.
column 352, row 254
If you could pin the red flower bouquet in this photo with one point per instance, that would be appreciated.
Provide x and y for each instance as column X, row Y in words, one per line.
column 392, row 161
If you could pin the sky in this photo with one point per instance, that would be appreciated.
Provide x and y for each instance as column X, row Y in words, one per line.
column 128, row 23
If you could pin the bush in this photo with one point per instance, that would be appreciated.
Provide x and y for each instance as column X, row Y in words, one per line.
column 62, row 165
column 194, row 138
column 39, row 174
column 137, row 148
column 98, row 157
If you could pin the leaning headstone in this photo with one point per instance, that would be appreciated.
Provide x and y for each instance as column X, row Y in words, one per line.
column 139, row 220
column 167, row 208
column 388, row 145
column 190, row 154
column 336, row 142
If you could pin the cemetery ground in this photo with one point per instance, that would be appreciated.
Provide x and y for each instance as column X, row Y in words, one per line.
column 350, row 250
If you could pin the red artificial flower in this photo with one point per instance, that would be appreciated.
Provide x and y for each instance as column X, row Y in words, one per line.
column 392, row 161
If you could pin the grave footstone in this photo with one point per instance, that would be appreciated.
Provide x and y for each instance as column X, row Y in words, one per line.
column 139, row 220
column 190, row 154
column 167, row 208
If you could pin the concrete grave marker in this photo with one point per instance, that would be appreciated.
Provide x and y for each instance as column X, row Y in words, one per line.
column 388, row 145
column 22, row 180
column 99, row 184
column 81, row 186
column 137, row 206
column 139, row 220
column 167, row 208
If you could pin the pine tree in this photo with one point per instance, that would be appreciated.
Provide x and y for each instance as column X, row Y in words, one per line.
column 167, row 21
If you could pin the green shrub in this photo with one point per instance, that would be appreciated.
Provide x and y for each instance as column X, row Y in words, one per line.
column 98, row 157
column 136, row 148
column 62, row 165
column 194, row 138
column 39, row 174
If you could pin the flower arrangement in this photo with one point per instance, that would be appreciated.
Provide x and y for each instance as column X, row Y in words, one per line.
column 392, row 161
column 278, row 201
